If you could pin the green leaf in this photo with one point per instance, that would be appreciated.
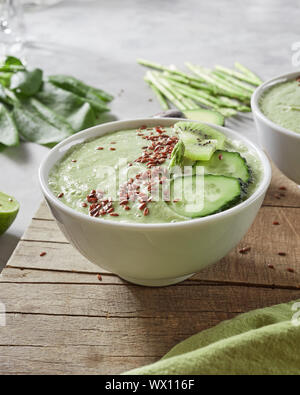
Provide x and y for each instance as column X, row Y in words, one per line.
column 35, row 129
column 5, row 78
column 8, row 131
column 80, row 88
column 177, row 155
column 48, row 115
column 83, row 118
column 12, row 64
column 26, row 83
column 73, row 108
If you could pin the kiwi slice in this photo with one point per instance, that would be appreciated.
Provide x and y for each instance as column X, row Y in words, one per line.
column 200, row 140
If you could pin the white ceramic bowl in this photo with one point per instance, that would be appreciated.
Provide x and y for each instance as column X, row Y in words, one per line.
column 152, row 254
column 281, row 144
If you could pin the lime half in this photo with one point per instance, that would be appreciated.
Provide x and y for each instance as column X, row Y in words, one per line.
column 9, row 208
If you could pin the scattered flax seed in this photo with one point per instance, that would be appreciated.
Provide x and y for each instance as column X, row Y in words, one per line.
column 126, row 208
column 99, row 277
column 10, row 200
column 100, row 148
column 146, row 211
column 74, row 160
column 83, row 204
column 142, row 206
column 289, row 269
column 113, row 142
column 112, row 149
column 60, row 195
column 244, row 250
column 270, row 266
column 276, row 223
column 282, row 188
column 43, row 253
column 281, row 253
column 114, row 214
column 220, row 157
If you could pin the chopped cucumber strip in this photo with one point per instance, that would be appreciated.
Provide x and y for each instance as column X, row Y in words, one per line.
column 226, row 163
column 204, row 195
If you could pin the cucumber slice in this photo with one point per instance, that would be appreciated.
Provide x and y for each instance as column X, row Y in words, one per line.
column 226, row 163
column 200, row 140
column 204, row 115
column 9, row 208
column 214, row 194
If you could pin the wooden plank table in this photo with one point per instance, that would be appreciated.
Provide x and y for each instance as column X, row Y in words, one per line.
column 61, row 319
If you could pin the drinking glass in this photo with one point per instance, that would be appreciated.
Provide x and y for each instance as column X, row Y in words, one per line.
column 12, row 29
column 32, row 4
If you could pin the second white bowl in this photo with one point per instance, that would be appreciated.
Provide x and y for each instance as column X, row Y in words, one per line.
column 281, row 144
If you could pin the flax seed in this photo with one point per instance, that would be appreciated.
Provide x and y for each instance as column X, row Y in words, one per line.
column 244, row 250
column 60, row 195
column 142, row 206
column 146, row 211
column 43, row 253
column 281, row 253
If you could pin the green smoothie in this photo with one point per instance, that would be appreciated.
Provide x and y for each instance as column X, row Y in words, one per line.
column 111, row 177
column 281, row 104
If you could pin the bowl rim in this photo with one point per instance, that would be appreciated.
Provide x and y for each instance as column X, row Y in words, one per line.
column 43, row 180
column 257, row 95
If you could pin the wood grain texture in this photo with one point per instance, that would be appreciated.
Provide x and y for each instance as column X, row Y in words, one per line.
column 62, row 318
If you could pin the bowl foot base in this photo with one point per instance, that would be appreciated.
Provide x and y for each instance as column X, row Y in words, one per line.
column 156, row 283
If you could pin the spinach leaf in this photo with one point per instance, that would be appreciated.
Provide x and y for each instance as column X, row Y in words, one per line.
column 35, row 129
column 8, row 131
column 12, row 64
column 76, row 110
column 5, row 78
column 83, row 118
column 80, row 88
column 26, row 83
column 48, row 115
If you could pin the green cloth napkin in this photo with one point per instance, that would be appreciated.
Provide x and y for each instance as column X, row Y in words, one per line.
column 263, row 341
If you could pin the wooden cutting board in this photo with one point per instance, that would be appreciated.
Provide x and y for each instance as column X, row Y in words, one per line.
column 62, row 318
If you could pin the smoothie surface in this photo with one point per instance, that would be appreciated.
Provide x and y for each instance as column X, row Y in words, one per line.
column 117, row 159
column 281, row 104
